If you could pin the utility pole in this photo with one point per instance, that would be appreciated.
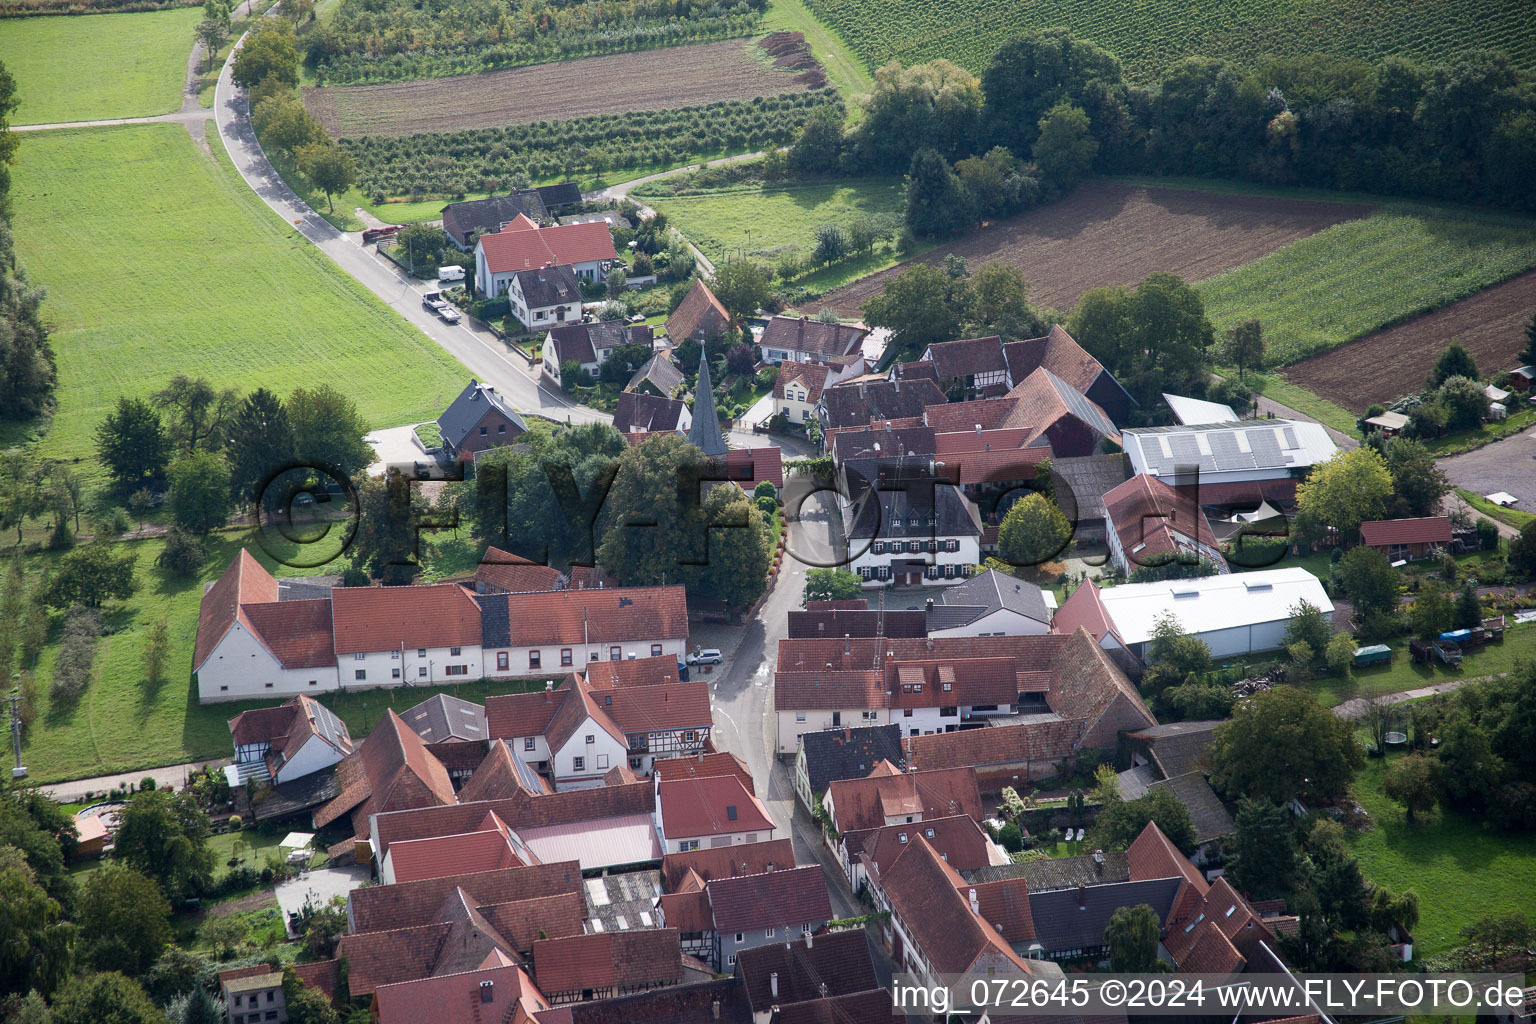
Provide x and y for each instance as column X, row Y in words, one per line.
column 20, row 771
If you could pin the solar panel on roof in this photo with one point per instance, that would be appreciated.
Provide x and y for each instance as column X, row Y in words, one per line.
column 1229, row 456
column 1266, row 450
column 1290, row 437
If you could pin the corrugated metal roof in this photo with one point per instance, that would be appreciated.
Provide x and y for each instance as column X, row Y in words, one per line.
column 607, row 842
column 1212, row 603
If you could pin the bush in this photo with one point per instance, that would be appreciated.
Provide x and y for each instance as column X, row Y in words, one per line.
column 183, row 553
column 490, row 310
column 1487, row 534
column 1011, row 837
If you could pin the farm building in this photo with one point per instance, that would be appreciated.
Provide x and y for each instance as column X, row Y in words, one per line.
column 1234, row 614
column 1195, row 412
column 1231, row 462
column 1523, row 379
column 466, row 221
column 699, row 317
column 478, row 419
column 1409, row 539
column 1148, row 523
column 1389, row 423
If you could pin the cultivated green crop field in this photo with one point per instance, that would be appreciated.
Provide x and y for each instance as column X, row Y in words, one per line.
column 1152, row 35
column 158, row 260
column 1341, row 283
column 98, row 66
column 780, row 218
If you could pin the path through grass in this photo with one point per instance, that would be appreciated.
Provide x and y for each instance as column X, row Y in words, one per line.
column 846, row 71
column 98, row 66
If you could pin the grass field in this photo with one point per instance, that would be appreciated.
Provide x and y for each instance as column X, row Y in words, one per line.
column 159, row 261
column 1337, row 285
column 1510, row 516
column 1402, row 674
column 1459, row 869
column 123, row 724
column 1149, row 37
column 765, row 221
column 98, row 66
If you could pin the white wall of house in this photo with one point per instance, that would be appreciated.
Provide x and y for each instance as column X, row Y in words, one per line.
column 529, row 749
column 1187, row 545
column 793, row 724
column 314, row 755
column 519, row 661
column 586, row 756
column 424, row 666
column 535, row 317
column 869, row 565
column 1003, row 622
column 241, row 667
column 682, row 844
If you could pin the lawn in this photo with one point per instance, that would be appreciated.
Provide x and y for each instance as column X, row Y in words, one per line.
column 98, row 66
column 1355, row 277
column 764, row 221
column 160, row 261
column 1459, row 869
column 124, row 724
column 1519, row 644
column 1510, row 516
column 1486, row 433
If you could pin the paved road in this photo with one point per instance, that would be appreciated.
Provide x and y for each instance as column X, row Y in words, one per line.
column 1508, row 464
column 171, row 775
column 482, row 353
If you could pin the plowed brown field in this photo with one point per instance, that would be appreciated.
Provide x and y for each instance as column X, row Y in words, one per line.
column 682, row 76
column 1114, row 234
column 1395, row 361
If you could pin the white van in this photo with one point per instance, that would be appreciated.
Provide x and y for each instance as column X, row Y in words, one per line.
column 450, row 273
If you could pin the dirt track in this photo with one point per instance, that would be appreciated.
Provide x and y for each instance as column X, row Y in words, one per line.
column 656, row 79
column 1113, row 234
column 1393, row 362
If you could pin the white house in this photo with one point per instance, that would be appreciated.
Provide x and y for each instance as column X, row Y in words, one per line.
column 406, row 636
column 797, row 390
column 905, row 527
column 562, row 631
column 588, row 345
column 1234, row 614
column 708, row 813
column 545, row 296
column 991, row 604
column 522, row 245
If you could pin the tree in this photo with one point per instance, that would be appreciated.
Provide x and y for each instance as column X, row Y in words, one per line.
column 915, row 307
column 197, row 411
column 1264, row 845
column 386, row 540
column 742, row 286
column 22, row 494
column 140, row 502
column 1522, row 550
column 999, row 302
column 1455, row 361
column 1414, row 782
column 1065, row 147
column 1469, row 608
column 933, row 106
column 199, row 493
column 211, row 32
column 1245, row 346
column 1121, row 821
column 831, row 244
column 13, row 596
column 1036, row 71
column 91, row 576
column 1308, row 625
column 1033, row 532
column 1464, row 401
column 831, row 585
column 258, row 441
column 1417, row 482
column 132, row 445
column 1176, row 656
column 124, row 918
column 1368, row 580
column 1339, row 655
column 270, row 51
column 1527, row 355
column 328, row 430
column 332, row 169
column 195, row 1006
column 1154, row 340
column 157, row 648
column 306, row 1005
column 937, row 203
column 1433, row 611
column 1348, row 489
column 1492, row 939
column 1470, row 769
column 107, row 998
column 77, row 654
column 1132, row 936
column 818, row 146
column 38, row 945
column 224, row 934
column 1281, row 744
column 165, row 835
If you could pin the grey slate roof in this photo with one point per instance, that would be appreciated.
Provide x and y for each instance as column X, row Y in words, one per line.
column 639, row 412
column 1058, row 872
column 481, row 216
column 1205, row 808
column 561, row 193
column 660, row 372
column 469, row 409
column 1090, row 477
column 443, row 717
column 888, row 514
column 849, row 753
column 704, row 432
column 1076, row 918
column 992, row 591
column 548, row 286
column 1178, row 747
column 854, row 405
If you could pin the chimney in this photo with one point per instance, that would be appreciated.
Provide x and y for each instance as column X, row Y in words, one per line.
column 978, row 428
column 847, row 644
column 807, row 940
column 773, row 984
column 975, row 903
column 714, row 1008
column 487, row 991
column 1082, row 896
column 930, row 606
column 847, row 735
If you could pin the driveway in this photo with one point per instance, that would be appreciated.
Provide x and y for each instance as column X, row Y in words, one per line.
column 1505, row 465
column 318, row 886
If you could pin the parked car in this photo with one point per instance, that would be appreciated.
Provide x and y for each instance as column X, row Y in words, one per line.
column 439, row 305
column 708, row 656
column 450, row 273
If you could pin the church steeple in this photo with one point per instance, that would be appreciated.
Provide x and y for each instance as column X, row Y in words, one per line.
column 704, row 433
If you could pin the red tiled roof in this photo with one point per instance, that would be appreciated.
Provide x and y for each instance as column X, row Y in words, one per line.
column 786, row 899
column 719, row 805
column 997, row 466
column 812, row 375
column 1152, row 855
column 1087, row 685
column 937, row 682
column 1084, row 610
column 1146, row 514
column 863, row 803
column 606, row 675
column 523, row 922
column 599, row 616
column 467, row 853
column 1211, row 952
column 409, row 904
column 802, row 334
column 1058, row 352
column 263, row 725
column 510, row 715
column 503, row 570
column 388, row 618
column 1426, row 530
column 496, row 777
column 1005, row 904
column 704, row 766
column 398, row 773
column 749, row 467
column 243, row 582
column 995, row 746
column 955, row 442
column 519, row 810
column 833, row 688
column 957, row 838
column 688, row 911
column 658, row 708
column 727, row 862
column 323, row 976
column 608, row 960
column 576, row 710
column 1042, row 399
column 382, row 958
column 591, row 577
column 967, row 357
column 954, row 417
column 699, row 311
column 298, row 633
column 474, row 997
column 840, row 961
column 520, row 247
